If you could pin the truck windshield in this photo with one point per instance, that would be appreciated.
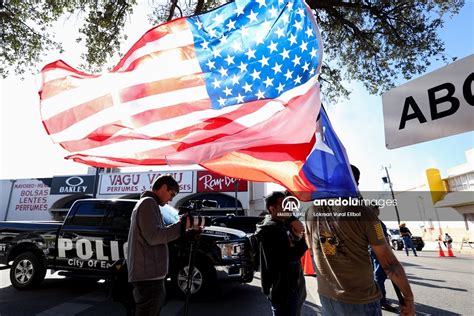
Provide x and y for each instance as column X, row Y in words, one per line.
column 394, row 232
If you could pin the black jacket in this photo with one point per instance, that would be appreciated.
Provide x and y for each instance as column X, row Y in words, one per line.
column 280, row 265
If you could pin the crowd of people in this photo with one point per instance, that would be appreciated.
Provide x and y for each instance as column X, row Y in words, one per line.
column 353, row 258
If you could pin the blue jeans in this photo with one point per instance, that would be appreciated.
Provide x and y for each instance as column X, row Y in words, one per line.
column 334, row 308
column 149, row 297
column 408, row 243
column 380, row 276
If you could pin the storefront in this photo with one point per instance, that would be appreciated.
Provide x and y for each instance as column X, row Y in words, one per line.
column 51, row 198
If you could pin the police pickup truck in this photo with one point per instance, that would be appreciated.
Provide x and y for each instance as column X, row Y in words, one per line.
column 94, row 235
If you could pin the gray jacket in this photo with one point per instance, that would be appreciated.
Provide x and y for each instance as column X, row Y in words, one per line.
column 147, row 240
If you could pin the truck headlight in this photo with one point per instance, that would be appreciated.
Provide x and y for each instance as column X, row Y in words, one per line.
column 231, row 250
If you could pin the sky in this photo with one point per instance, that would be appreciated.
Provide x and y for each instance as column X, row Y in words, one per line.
column 27, row 151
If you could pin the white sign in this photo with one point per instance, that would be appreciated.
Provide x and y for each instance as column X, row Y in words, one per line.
column 29, row 201
column 127, row 183
column 435, row 105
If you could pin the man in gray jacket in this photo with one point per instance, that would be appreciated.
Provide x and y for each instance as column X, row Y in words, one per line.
column 147, row 246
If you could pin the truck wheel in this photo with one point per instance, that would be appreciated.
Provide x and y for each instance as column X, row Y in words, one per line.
column 395, row 245
column 202, row 281
column 419, row 248
column 400, row 245
column 27, row 271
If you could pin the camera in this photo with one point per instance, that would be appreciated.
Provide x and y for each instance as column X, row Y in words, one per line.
column 192, row 208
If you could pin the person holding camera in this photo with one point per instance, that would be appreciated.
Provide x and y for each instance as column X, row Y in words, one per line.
column 147, row 245
column 282, row 245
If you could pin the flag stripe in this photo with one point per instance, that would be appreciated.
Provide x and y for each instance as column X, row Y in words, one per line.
column 152, row 35
column 57, row 86
column 123, row 129
column 69, row 117
column 160, row 86
column 97, row 87
column 82, row 128
column 168, row 43
column 69, row 82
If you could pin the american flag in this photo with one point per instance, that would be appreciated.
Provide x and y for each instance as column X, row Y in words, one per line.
column 192, row 90
column 234, row 90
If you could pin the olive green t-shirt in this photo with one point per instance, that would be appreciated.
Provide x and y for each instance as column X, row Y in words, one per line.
column 339, row 237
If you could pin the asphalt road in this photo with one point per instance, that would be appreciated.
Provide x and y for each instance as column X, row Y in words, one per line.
column 442, row 286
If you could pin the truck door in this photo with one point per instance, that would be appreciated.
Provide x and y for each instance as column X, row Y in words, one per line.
column 118, row 219
column 84, row 240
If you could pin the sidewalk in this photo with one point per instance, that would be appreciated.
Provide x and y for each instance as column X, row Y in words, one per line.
column 433, row 246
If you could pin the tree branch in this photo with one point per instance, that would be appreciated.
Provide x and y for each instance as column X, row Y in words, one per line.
column 199, row 7
column 174, row 4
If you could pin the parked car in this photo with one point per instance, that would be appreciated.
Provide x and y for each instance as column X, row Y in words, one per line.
column 94, row 235
column 396, row 240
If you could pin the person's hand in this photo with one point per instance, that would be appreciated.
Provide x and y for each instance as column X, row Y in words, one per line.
column 185, row 217
column 409, row 308
column 297, row 228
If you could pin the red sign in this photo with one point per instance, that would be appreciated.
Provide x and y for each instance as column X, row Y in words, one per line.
column 211, row 182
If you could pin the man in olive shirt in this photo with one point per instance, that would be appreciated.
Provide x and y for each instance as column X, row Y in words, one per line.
column 339, row 237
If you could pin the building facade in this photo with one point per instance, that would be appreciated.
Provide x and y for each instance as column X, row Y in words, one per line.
column 50, row 198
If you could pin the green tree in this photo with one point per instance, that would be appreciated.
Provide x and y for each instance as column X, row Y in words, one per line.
column 374, row 42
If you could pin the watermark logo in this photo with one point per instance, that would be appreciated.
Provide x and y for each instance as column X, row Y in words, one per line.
column 291, row 204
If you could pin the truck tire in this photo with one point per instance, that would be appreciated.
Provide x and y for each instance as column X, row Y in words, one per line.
column 27, row 271
column 396, row 245
column 203, row 279
column 419, row 248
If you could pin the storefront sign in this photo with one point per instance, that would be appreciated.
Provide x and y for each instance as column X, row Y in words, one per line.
column 127, row 183
column 72, row 184
column 211, row 182
column 29, row 200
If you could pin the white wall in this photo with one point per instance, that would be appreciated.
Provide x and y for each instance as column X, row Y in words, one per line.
column 5, row 187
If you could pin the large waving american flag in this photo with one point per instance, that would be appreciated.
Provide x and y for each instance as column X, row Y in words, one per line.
column 194, row 90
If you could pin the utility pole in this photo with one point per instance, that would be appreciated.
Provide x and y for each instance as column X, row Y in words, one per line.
column 387, row 180
column 96, row 182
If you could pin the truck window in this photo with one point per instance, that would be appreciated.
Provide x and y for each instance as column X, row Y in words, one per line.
column 121, row 213
column 88, row 214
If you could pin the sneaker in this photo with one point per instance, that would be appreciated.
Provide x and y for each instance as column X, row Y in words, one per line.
column 389, row 308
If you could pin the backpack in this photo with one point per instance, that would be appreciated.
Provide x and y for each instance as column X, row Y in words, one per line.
column 255, row 251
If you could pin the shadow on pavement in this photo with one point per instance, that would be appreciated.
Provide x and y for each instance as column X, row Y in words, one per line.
column 436, row 286
column 412, row 277
column 422, row 309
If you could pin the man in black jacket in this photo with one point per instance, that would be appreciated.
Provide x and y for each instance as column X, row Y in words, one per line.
column 282, row 245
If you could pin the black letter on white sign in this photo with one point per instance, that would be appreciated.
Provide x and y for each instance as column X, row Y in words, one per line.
column 416, row 112
column 447, row 98
column 467, row 89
